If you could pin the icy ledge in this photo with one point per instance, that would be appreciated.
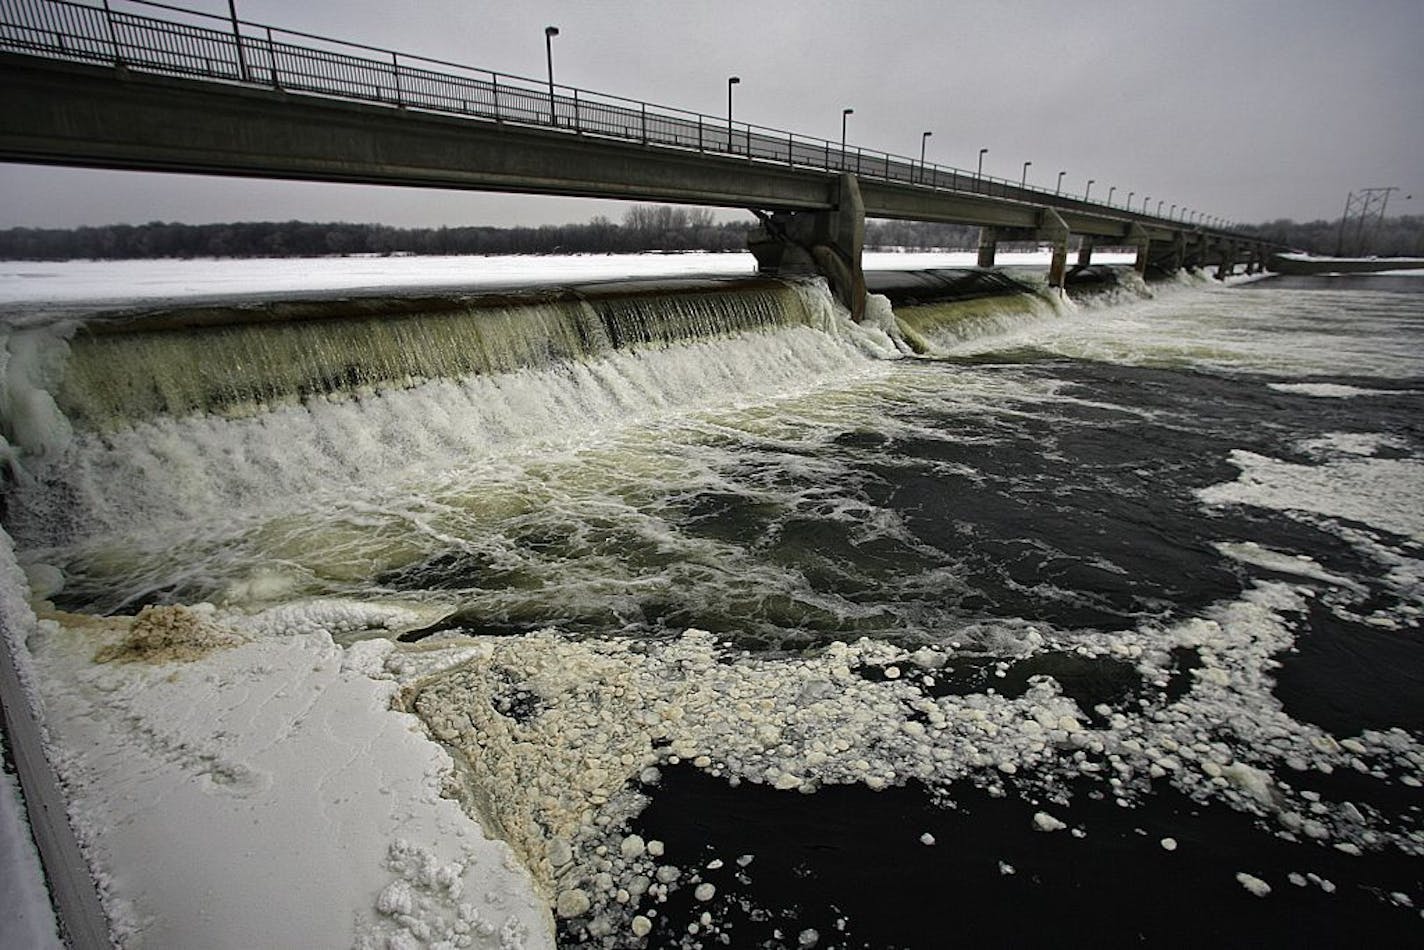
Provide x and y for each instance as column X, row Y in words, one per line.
column 267, row 795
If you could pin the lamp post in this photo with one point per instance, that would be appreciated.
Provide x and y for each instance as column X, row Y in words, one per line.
column 1173, row 212
column 924, row 137
column 1110, row 193
column 1129, row 199
column 1058, row 188
column 1089, row 190
column 1159, row 207
column 731, row 81
column 1023, row 179
column 1145, row 203
column 549, row 33
column 845, row 113
column 980, row 172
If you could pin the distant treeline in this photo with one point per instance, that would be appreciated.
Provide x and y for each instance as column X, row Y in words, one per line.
column 1393, row 237
column 644, row 228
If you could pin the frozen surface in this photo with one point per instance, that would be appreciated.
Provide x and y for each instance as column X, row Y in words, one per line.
column 26, row 919
column 283, row 757
column 130, row 283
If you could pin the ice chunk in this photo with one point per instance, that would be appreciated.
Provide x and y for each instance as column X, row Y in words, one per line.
column 572, row 903
column 1253, row 884
column 1043, row 821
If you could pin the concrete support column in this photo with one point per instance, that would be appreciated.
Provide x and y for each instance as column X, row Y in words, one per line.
column 1226, row 260
column 988, row 245
column 825, row 243
column 1085, row 250
column 1053, row 228
column 1144, row 249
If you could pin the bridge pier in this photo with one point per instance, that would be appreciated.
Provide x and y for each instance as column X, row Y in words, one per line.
column 1085, row 250
column 1226, row 259
column 988, row 246
column 1138, row 237
column 826, row 243
column 1052, row 228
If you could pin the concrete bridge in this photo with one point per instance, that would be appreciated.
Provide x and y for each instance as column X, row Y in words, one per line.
column 178, row 92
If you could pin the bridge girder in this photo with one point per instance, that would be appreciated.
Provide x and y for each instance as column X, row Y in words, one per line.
column 65, row 113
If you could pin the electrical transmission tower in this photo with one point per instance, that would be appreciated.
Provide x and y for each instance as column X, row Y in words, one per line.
column 1364, row 210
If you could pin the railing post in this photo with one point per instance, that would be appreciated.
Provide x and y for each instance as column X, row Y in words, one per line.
column 578, row 125
column 699, row 133
column 395, row 76
column 644, row 119
column 857, row 159
column 113, row 35
column 272, row 57
column 790, row 159
column 237, row 39
column 494, row 92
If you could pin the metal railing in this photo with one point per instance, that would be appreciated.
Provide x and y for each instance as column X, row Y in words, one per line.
column 190, row 44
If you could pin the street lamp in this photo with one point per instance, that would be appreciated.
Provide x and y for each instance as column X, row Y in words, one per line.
column 549, row 33
column 1173, row 212
column 1058, row 188
column 980, row 172
column 1088, row 190
column 731, row 81
column 1110, row 193
column 924, row 137
column 1129, row 199
column 845, row 113
column 1159, row 207
column 1023, row 179
column 1145, row 203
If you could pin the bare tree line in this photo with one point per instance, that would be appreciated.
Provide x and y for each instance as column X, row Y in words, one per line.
column 643, row 228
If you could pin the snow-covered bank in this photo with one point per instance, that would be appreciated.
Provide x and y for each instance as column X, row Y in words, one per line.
column 263, row 794
column 112, row 283
column 26, row 919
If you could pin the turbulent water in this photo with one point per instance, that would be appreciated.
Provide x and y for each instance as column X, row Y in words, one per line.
column 995, row 621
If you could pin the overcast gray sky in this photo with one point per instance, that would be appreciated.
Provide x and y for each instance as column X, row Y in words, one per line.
column 1247, row 109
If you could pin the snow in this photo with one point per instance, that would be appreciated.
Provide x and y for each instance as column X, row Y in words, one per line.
column 26, row 918
column 67, row 285
column 325, row 804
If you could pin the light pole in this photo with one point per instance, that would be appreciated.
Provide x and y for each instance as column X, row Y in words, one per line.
column 731, row 81
column 1058, row 188
column 549, row 33
column 1023, row 179
column 924, row 137
column 1110, row 193
column 980, row 172
column 845, row 113
column 1159, row 207
column 1173, row 212
column 1088, row 190
column 1129, row 199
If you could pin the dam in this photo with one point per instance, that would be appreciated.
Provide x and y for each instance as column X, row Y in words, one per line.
column 695, row 598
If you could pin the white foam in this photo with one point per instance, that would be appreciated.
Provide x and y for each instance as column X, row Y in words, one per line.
column 1329, row 390
column 1383, row 493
